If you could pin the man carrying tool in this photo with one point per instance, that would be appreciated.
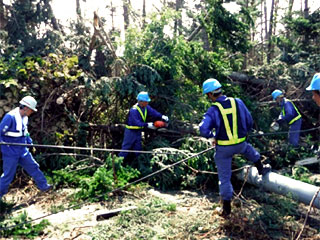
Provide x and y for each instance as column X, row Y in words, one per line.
column 289, row 114
column 141, row 116
column 13, row 129
column 232, row 121
column 315, row 88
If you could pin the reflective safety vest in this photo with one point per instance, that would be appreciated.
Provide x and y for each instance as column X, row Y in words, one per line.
column 143, row 116
column 297, row 117
column 232, row 135
column 21, row 133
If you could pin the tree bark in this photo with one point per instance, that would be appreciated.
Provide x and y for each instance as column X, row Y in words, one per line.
column 78, row 9
column 144, row 14
column 2, row 15
column 271, row 23
column 275, row 19
column 178, row 21
column 306, row 9
column 265, row 19
column 126, row 20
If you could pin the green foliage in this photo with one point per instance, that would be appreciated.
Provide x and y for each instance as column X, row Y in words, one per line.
column 303, row 174
column 181, row 66
column 22, row 228
column 181, row 175
column 24, row 32
column 61, row 178
column 275, row 211
column 142, row 221
column 5, row 207
column 284, row 155
column 224, row 29
column 106, row 178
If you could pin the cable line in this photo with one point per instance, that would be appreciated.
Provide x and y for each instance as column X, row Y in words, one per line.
column 85, row 148
column 283, row 132
column 120, row 150
column 118, row 189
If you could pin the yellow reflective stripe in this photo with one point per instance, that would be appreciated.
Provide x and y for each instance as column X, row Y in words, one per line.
column 233, row 138
column 297, row 117
column 230, row 142
column 133, row 127
column 143, row 116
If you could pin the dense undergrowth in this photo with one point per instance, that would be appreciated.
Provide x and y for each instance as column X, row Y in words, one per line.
column 94, row 180
column 76, row 90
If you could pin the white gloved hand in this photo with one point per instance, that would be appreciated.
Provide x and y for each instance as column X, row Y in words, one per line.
column 151, row 126
column 165, row 118
column 274, row 126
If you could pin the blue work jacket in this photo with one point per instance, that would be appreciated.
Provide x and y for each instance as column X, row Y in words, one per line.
column 135, row 119
column 289, row 113
column 11, row 134
column 213, row 120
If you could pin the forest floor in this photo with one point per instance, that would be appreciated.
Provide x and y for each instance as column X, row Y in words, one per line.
column 163, row 215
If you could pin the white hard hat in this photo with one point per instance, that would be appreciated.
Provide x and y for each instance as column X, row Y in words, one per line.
column 29, row 102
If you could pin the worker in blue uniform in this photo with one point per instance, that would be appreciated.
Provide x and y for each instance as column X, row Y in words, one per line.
column 289, row 114
column 13, row 129
column 315, row 88
column 232, row 121
column 141, row 116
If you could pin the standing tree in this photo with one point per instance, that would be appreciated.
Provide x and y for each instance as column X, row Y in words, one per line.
column 126, row 6
column 269, row 35
column 25, row 27
column 178, row 21
column 3, row 20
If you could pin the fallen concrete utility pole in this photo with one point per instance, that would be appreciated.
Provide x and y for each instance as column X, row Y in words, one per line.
column 308, row 161
column 277, row 183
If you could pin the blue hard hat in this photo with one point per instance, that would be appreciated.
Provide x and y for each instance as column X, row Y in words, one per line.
column 210, row 85
column 315, row 83
column 276, row 93
column 143, row 96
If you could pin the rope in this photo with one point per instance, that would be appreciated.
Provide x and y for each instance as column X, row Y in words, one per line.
column 120, row 150
column 85, row 148
column 283, row 132
column 138, row 151
column 118, row 189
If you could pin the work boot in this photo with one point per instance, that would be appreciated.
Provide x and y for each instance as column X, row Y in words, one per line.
column 226, row 210
column 49, row 188
column 262, row 169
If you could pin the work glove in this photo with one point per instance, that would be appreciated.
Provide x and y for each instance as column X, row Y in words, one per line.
column 165, row 118
column 151, row 126
column 33, row 150
column 274, row 127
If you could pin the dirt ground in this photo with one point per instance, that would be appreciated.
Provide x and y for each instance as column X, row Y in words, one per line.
column 76, row 223
column 81, row 223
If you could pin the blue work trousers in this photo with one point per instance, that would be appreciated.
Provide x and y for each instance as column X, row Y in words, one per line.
column 223, row 159
column 10, row 163
column 294, row 133
column 131, row 141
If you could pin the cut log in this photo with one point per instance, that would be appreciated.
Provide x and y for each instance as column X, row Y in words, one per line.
column 113, row 213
